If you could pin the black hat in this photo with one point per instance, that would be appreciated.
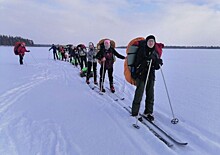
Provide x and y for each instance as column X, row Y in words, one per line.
column 150, row 37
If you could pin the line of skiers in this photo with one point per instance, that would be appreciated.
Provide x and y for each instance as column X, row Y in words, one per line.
column 147, row 58
column 87, row 59
column 60, row 52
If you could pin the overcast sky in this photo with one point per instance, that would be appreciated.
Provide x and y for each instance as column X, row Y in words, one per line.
column 173, row 22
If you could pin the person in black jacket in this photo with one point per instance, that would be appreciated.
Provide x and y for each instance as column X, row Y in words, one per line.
column 146, row 58
column 82, row 55
column 54, row 51
column 106, row 59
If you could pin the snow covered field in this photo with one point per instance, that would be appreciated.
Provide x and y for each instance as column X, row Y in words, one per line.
column 46, row 108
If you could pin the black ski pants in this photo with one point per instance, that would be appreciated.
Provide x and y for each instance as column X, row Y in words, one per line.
column 110, row 75
column 90, row 65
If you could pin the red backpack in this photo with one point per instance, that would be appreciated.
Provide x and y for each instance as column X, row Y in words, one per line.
column 17, row 44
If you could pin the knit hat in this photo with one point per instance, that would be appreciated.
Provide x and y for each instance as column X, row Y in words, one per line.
column 150, row 37
column 107, row 44
column 150, row 47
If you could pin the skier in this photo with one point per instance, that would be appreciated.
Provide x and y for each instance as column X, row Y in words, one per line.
column 76, row 56
column 55, row 56
column 21, row 52
column 92, row 63
column 62, row 52
column 146, row 56
column 82, row 55
column 71, row 53
column 106, row 58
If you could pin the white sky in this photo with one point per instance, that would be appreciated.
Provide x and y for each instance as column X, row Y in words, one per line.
column 173, row 22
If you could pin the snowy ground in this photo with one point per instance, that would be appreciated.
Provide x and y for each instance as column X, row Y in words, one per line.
column 47, row 109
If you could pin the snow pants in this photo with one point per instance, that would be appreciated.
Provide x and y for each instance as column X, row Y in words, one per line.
column 90, row 65
column 149, row 101
column 110, row 75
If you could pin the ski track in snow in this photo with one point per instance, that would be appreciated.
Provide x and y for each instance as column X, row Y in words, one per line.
column 11, row 96
column 108, row 102
column 181, row 131
column 17, row 130
column 20, row 131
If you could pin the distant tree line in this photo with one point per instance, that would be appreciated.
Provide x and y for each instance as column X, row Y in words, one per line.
column 10, row 41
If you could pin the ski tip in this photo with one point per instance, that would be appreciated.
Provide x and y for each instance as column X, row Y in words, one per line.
column 116, row 99
column 170, row 145
column 101, row 93
column 136, row 126
column 122, row 98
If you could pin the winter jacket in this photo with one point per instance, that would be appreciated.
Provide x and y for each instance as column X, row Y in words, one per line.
column 61, row 49
column 54, row 48
column 91, row 55
column 82, row 52
column 22, row 50
column 71, row 52
column 109, row 56
column 142, row 61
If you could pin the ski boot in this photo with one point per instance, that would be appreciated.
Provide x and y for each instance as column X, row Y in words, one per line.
column 87, row 81
column 101, row 88
column 149, row 117
column 112, row 88
column 95, row 82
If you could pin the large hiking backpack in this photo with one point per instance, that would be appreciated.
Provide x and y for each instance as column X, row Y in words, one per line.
column 131, row 54
column 82, row 52
column 101, row 46
column 17, row 44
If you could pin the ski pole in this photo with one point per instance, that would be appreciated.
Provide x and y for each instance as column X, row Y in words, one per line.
column 174, row 120
column 25, row 62
column 148, row 73
column 123, row 88
column 103, row 69
column 48, row 55
column 33, row 58
column 92, row 70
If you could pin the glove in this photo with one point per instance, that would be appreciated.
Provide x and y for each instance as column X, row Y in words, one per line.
column 28, row 50
column 133, row 72
column 159, row 61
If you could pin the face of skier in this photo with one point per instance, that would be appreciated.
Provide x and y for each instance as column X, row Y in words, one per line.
column 150, row 43
column 107, row 44
column 91, row 46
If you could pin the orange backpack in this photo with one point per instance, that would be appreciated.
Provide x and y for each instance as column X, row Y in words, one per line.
column 131, row 53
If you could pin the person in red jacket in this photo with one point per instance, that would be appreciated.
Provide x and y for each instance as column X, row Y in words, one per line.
column 21, row 52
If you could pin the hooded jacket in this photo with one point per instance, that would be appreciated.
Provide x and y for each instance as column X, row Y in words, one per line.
column 22, row 50
column 109, row 55
column 142, row 60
